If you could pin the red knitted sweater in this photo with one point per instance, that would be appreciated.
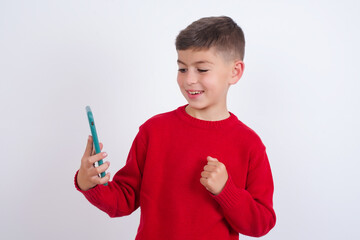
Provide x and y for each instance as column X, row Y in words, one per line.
column 162, row 176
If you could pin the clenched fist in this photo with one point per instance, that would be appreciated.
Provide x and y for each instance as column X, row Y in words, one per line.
column 214, row 176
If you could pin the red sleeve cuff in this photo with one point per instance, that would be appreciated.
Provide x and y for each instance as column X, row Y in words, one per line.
column 75, row 182
column 89, row 194
column 230, row 196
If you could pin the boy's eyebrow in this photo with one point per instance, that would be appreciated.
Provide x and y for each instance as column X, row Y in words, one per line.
column 198, row 62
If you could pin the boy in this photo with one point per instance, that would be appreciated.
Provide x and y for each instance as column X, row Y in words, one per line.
column 196, row 172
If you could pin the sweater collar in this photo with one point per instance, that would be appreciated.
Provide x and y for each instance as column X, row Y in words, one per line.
column 231, row 120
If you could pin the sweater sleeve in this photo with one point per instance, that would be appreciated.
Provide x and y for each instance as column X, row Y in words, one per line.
column 121, row 196
column 250, row 211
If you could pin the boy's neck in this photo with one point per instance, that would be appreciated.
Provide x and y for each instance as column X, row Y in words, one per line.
column 208, row 114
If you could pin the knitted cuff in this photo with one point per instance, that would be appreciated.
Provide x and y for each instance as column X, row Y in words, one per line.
column 230, row 196
column 89, row 194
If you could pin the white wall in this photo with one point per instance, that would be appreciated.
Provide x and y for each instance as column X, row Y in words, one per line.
column 300, row 93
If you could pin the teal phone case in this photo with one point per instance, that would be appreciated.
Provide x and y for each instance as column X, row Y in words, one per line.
column 95, row 137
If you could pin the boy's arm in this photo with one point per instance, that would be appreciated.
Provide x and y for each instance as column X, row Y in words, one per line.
column 250, row 211
column 121, row 196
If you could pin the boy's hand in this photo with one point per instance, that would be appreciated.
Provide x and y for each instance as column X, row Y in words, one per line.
column 214, row 176
column 88, row 175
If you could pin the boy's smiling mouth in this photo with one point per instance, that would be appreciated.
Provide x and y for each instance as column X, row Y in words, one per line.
column 194, row 92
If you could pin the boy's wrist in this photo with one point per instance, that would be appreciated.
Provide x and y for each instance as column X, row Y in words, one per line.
column 230, row 194
column 79, row 183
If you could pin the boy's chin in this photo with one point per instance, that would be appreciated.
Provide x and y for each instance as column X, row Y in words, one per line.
column 195, row 106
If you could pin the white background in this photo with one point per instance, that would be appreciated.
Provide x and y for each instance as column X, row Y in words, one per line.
column 300, row 93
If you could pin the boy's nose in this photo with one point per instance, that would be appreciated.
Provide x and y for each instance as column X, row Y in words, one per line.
column 191, row 79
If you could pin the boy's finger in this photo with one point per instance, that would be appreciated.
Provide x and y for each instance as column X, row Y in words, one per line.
column 211, row 159
column 204, row 182
column 99, row 180
column 101, row 168
column 105, row 179
column 209, row 168
column 93, row 151
column 101, row 147
column 94, row 158
column 213, row 163
column 205, row 174
column 89, row 147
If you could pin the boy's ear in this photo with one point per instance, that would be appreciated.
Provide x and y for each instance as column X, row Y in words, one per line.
column 237, row 71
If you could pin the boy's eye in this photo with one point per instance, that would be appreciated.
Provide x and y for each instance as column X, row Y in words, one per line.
column 182, row 70
column 202, row 70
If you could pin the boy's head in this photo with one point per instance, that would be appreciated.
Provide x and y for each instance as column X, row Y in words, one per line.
column 210, row 53
column 221, row 33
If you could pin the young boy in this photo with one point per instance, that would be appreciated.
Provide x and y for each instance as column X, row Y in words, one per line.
column 196, row 172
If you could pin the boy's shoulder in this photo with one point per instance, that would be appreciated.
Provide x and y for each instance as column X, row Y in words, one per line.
column 244, row 132
column 245, row 129
column 161, row 119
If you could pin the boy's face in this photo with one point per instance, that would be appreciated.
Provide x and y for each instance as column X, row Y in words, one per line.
column 204, row 78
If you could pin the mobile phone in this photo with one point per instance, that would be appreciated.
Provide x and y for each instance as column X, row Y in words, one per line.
column 94, row 136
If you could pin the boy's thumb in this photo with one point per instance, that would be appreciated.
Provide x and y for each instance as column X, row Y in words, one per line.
column 212, row 159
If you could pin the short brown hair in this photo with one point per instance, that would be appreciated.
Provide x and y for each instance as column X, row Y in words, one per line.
column 219, row 32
